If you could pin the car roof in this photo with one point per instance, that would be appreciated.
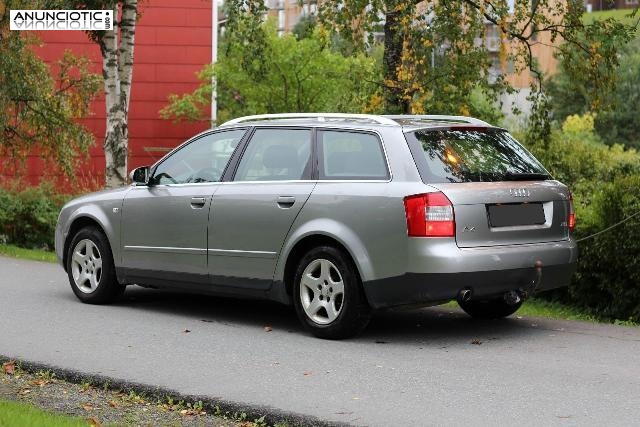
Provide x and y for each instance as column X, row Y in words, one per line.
column 408, row 123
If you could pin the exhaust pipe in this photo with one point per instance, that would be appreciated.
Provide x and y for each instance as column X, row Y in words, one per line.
column 464, row 295
column 512, row 297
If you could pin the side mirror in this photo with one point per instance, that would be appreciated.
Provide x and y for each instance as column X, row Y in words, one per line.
column 140, row 176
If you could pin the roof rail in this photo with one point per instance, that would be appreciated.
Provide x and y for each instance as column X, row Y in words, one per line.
column 436, row 117
column 321, row 117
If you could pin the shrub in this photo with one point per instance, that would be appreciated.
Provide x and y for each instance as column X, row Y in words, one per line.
column 604, row 181
column 28, row 217
column 608, row 279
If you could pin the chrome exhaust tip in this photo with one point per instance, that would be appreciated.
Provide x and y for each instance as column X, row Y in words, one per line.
column 512, row 297
column 464, row 295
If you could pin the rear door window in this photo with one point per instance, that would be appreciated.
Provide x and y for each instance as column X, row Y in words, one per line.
column 351, row 155
column 276, row 155
column 472, row 155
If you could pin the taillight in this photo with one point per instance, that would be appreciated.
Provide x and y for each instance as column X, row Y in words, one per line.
column 429, row 215
column 572, row 214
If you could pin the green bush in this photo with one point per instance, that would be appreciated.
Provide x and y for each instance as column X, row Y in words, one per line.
column 605, row 182
column 28, row 217
column 608, row 279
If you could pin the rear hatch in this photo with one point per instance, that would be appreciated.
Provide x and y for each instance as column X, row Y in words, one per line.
column 500, row 193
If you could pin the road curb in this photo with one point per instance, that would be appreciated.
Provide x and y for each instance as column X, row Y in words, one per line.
column 271, row 415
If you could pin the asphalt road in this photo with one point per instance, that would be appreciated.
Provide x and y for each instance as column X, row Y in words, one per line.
column 422, row 367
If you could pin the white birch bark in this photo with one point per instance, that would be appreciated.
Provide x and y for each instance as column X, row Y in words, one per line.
column 117, row 57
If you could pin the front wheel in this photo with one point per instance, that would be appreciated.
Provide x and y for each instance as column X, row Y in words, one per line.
column 328, row 295
column 90, row 268
column 496, row 308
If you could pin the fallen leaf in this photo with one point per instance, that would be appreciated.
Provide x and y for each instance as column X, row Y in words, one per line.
column 307, row 373
column 355, row 398
column 476, row 342
column 93, row 422
column 268, row 328
column 40, row 383
column 87, row 406
column 9, row 367
column 25, row 391
column 186, row 331
column 113, row 403
column 184, row 412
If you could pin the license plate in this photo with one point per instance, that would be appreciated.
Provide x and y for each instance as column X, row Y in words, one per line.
column 514, row 214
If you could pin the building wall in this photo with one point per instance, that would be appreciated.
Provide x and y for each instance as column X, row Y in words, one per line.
column 172, row 43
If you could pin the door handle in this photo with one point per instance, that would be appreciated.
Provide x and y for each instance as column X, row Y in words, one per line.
column 197, row 202
column 285, row 202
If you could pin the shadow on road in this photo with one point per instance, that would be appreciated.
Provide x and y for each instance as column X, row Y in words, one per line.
column 390, row 326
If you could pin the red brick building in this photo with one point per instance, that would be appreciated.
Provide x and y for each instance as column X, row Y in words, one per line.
column 173, row 41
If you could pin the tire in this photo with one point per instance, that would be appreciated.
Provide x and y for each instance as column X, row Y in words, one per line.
column 328, row 295
column 90, row 268
column 489, row 309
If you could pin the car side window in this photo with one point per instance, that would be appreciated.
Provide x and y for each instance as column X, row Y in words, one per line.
column 202, row 160
column 351, row 155
column 276, row 155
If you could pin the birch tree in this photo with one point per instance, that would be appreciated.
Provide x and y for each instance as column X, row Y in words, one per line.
column 117, row 48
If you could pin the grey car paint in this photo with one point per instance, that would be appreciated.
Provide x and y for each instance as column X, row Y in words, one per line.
column 240, row 239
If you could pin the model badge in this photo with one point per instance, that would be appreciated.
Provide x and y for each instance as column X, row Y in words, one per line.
column 520, row 192
column 468, row 229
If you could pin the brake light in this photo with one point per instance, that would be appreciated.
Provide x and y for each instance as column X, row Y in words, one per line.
column 572, row 214
column 429, row 215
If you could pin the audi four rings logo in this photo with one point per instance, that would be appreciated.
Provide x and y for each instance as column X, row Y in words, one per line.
column 520, row 192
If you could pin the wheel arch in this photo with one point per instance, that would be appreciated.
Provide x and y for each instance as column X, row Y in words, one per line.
column 81, row 221
column 355, row 250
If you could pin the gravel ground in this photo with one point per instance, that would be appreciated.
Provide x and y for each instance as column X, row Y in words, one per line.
column 102, row 406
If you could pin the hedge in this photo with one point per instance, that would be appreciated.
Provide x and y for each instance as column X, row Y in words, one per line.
column 28, row 217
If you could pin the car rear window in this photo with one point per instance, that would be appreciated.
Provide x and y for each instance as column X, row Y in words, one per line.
column 472, row 155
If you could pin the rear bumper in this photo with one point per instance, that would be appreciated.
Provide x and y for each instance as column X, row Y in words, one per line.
column 445, row 271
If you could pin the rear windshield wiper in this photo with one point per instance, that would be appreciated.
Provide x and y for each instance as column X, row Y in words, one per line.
column 524, row 176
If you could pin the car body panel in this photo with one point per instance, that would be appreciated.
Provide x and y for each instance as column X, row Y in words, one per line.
column 249, row 222
column 103, row 208
column 164, row 229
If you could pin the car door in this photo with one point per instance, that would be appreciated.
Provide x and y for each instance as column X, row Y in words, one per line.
column 252, row 214
column 164, row 224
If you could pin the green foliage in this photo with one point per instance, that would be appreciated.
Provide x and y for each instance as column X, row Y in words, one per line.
column 604, row 181
column 432, row 58
column 608, row 278
column 28, row 217
column 36, row 109
column 291, row 75
column 613, row 100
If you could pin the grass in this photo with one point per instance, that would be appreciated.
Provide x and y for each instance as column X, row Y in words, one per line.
column 535, row 307
column 621, row 15
column 23, row 414
column 30, row 254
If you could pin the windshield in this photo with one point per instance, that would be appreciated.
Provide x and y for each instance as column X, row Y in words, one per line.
column 472, row 155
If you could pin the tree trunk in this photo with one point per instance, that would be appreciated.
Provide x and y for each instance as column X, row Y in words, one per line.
column 117, row 69
column 394, row 104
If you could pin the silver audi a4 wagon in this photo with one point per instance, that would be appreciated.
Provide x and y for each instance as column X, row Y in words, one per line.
column 336, row 214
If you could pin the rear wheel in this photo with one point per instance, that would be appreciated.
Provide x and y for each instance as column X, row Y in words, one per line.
column 90, row 268
column 496, row 308
column 328, row 295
